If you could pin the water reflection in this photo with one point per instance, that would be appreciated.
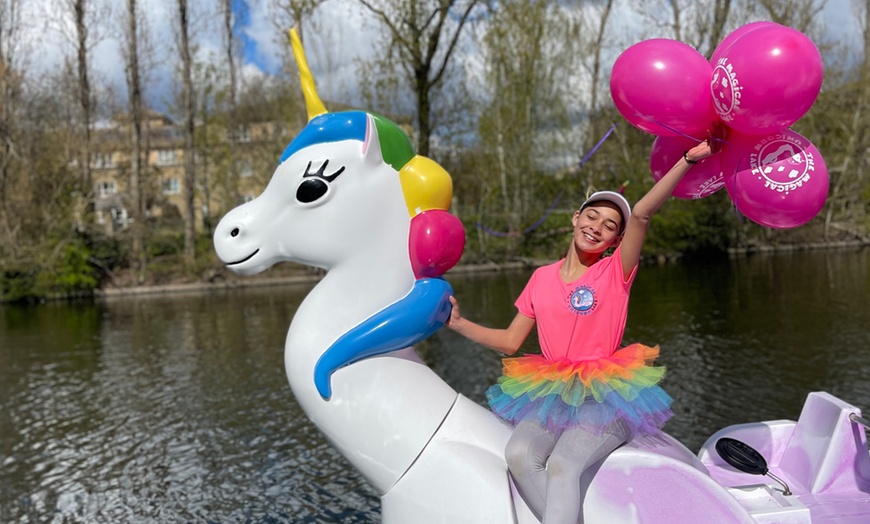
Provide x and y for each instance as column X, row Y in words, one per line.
column 177, row 408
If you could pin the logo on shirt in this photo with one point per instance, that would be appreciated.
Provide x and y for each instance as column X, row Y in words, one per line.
column 582, row 300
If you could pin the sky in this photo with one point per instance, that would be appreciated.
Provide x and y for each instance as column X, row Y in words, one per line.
column 345, row 34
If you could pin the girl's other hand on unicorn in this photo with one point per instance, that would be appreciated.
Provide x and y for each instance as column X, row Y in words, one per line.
column 455, row 317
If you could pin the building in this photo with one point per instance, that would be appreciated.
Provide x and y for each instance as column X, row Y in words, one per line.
column 252, row 150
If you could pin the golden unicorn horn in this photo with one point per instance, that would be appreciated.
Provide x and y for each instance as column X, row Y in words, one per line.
column 309, row 90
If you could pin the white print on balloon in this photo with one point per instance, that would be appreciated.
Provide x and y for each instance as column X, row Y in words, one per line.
column 783, row 162
column 710, row 186
column 725, row 89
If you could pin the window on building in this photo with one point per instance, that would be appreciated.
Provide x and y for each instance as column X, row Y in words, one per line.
column 171, row 186
column 167, row 157
column 119, row 215
column 244, row 134
column 105, row 188
column 102, row 161
column 244, row 168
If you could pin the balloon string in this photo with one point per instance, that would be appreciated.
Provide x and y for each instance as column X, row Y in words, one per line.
column 495, row 233
column 680, row 133
column 544, row 216
column 526, row 230
column 736, row 194
column 552, row 206
column 588, row 155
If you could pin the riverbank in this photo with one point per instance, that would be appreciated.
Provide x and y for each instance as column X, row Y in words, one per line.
column 304, row 278
column 789, row 248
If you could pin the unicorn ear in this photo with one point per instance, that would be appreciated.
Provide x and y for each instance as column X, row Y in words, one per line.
column 371, row 148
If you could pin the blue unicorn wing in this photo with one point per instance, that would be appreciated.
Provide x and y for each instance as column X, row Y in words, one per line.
column 404, row 323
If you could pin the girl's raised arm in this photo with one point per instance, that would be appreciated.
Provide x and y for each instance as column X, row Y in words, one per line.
column 645, row 208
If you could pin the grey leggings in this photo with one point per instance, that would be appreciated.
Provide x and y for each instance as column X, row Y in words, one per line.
column 547, row 471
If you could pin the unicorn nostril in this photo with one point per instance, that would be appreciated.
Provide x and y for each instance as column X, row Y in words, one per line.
column 235, row 232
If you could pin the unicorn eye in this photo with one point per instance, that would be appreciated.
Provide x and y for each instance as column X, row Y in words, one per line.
column 310, row 190
column 315, row 184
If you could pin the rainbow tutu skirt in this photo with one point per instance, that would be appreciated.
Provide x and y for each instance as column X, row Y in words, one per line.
column 590, row 394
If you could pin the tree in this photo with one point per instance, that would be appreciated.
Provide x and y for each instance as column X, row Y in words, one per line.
column 524, row 121
column 721, row 11
column 295, row 12
column 189, row 115
column 133, row 64
column 423, row 35
column 700, row 24
column 802, row 15
column 78, row 22
column 79, row 9
column 231, row 102
column 11, row 77
column 841, row 131
column 596, row 50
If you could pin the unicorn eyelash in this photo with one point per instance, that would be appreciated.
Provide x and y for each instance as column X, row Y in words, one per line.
column 316, row 185
column 319, row 173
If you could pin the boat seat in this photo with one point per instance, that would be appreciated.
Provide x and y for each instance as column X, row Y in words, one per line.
column 827, row 450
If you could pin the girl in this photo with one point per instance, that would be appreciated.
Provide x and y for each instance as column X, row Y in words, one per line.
column 582, row 397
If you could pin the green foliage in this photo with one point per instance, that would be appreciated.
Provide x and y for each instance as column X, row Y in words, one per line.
column 17, row 284
column 72, row 273
column 165, row 242
column 692, row 227
column 65, row 271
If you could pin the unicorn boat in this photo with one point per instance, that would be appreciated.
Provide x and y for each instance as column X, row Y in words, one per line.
column 350, row 196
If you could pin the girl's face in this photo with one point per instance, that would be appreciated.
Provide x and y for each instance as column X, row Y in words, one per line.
column 597, row 227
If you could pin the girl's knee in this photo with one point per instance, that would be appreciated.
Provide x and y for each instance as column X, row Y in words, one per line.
column 528, row 448
column 562, row 464
column 517, row 456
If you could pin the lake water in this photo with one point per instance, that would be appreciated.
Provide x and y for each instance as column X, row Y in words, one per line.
column 177, row 409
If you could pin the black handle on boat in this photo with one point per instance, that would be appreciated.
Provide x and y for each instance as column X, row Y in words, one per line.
column 747, row 459
column 741, row 456
column 854, row 417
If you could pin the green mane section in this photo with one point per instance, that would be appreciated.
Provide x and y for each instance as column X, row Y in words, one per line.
column 396, row 147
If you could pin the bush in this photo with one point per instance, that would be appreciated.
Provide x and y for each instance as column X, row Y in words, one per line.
column 38, row 276
column 691, row 227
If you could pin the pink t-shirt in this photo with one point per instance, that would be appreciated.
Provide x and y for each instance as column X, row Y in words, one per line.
column 580, row 320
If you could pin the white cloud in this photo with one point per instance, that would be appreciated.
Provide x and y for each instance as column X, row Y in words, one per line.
column 261, row 30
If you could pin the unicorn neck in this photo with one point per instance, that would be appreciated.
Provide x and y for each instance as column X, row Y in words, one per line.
column 383, row 409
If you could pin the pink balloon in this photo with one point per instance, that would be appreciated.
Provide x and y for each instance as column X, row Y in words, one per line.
column 435, row 243
column 661, row 86
column 777, row 180
column 702, row 180
column 734, row 35
column 766, row 80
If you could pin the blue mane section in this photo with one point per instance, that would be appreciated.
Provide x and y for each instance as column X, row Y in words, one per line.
column 328, row 127
column 413, row 318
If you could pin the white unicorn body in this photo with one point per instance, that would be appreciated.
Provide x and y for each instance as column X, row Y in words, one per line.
column 335, row 202
column 384, row 411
